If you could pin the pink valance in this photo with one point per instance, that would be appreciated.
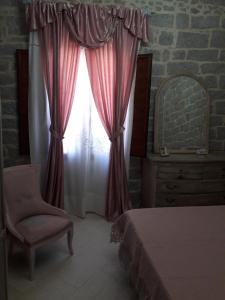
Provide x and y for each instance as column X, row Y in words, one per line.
column 89, row 24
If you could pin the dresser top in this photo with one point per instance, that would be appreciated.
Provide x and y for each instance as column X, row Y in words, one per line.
column 212, row 157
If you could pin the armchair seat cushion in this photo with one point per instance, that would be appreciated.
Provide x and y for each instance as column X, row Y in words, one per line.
column 38, row 228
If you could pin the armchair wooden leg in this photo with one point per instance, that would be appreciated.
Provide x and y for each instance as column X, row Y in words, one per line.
column 31, row 261
column 70, row 240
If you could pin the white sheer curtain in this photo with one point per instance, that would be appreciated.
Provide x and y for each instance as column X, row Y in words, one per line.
column 38, row 110
column 86, row 145
column 86, row 148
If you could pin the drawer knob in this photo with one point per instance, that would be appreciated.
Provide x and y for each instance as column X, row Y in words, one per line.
column 180, row 176
column 171, row 186
column 170, row 200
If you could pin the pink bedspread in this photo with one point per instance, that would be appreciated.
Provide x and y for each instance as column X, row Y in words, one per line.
column 174, row 253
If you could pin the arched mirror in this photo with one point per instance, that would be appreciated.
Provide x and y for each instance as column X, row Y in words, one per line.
column 181, row 116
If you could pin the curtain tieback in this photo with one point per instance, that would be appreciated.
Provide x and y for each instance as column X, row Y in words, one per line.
column 55, row 134
column 115, row 136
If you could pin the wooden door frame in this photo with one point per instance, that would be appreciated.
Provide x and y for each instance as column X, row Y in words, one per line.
column 3, row 252
column 139, row 139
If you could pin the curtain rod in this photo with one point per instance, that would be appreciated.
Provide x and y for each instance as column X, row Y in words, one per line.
column 146, row 10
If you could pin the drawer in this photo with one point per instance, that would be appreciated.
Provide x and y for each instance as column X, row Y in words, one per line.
column 191, row 171
column 189, row 200
column 214, row 172
column 190, row 187
column 178, row 171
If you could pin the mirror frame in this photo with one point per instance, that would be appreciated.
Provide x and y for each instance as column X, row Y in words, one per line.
column 156, row 146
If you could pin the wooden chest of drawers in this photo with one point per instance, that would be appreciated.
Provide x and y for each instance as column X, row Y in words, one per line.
column 183, row 180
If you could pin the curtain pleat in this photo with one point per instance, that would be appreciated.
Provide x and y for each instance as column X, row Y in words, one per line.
column 91, row 25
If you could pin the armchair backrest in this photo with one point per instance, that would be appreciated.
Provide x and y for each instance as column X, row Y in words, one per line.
column 21, row 191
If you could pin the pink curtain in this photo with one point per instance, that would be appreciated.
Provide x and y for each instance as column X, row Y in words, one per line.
column 117, row 30
column 91, row 25
column 60, row 57
column 111, row 69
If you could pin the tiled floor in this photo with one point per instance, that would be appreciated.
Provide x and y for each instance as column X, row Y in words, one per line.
column 94, row 272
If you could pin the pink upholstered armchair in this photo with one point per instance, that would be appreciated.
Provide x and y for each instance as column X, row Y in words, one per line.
column 31, row 222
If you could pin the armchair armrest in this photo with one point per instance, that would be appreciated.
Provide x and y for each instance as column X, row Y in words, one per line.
column 52, row 210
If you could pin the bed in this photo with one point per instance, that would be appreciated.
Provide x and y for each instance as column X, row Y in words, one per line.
column 174, row 253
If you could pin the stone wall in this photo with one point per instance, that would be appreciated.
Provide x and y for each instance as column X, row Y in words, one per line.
column 13, row 35
column 189, row 36
column 186, row 36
